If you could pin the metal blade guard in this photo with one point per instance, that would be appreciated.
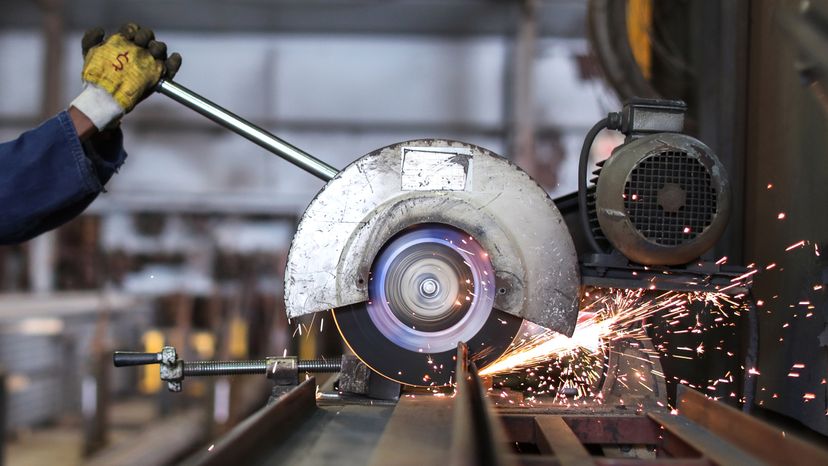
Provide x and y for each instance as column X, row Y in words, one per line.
column 437, row 182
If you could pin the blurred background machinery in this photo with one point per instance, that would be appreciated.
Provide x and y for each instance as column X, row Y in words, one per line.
column 189, row 246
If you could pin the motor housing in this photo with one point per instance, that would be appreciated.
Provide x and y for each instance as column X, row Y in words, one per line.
column 663, row 199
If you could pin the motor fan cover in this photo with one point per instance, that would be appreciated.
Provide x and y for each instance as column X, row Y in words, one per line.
column 663, row 199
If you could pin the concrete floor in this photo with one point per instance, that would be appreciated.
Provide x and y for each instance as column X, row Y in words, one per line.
column 52, row 445
column 63, row 444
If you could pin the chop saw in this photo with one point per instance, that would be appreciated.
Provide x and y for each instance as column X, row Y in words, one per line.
column 422, row 244
column 418, row 246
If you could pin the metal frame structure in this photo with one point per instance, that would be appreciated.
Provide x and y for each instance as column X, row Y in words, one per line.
column 467, row 428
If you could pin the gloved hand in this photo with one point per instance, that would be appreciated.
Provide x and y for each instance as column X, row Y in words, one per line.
column 121, row 71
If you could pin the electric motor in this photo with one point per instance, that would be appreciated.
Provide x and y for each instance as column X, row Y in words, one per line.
column 662, row 197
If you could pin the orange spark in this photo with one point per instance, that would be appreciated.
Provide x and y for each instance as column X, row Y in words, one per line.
column 605, row 317
column 798, row 244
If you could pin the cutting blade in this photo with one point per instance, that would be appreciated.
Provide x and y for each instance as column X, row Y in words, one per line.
column 414, row 367
column 431, row 287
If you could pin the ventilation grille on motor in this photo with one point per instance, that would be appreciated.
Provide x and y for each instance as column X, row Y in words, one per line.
column 592, row 208
column 670, row 198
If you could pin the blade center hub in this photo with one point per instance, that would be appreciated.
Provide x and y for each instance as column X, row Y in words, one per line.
column 429, row 288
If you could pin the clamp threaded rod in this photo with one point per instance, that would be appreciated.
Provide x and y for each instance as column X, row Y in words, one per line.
column 283, row 371
column 258, row 366
column 319, row 365
column 193, row 368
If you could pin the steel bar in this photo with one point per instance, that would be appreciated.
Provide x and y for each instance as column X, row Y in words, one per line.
column 418, row 433
column 704, row 441
column 477, row 436
column 246, row 129
column 557, row 438
column 673, row 446
column 258, row 431
column 746, row 432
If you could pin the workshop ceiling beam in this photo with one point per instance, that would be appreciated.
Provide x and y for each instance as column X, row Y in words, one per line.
column 556, row 18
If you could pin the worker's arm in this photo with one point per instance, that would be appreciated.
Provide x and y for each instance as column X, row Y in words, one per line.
column 52, row 173
column 83, row 125
column 48, row 176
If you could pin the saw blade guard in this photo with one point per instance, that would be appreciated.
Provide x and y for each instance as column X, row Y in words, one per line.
column 461, row 187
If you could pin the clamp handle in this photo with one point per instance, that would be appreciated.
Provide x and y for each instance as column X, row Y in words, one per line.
column 172, row 368
column 133, row 358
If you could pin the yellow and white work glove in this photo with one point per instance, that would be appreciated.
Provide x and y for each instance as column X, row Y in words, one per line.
column 121, row 71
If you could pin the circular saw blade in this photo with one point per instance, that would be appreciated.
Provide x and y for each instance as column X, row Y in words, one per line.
column 432, row 286
column 414, row 367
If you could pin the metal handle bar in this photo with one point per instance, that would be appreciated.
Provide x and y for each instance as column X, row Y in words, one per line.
column 246, row 129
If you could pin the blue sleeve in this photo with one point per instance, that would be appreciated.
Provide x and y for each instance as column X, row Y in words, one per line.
column 47, row 177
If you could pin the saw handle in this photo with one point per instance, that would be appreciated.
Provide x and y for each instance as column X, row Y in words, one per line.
column 246, row 129
column 132, row 358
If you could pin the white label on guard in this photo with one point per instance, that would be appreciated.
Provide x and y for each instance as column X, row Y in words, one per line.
column 436, row 168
